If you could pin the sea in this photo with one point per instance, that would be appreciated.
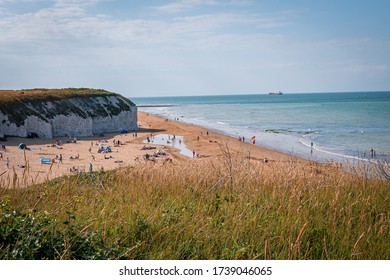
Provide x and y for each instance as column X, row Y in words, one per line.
column 338, row 126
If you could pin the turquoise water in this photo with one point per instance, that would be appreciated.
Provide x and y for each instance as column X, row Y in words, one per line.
column 341, row 126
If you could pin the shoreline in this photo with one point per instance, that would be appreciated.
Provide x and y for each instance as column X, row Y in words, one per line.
column 283, row 143
column 205, row 142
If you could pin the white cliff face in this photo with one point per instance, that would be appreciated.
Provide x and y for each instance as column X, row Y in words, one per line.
column 125, row 120
column 72, row 117
column 33, row 124
column 71, row 125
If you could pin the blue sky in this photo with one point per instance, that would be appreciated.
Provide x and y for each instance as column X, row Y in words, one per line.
column 196, row 47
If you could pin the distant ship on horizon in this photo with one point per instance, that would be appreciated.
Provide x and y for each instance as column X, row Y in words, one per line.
column 276, row 93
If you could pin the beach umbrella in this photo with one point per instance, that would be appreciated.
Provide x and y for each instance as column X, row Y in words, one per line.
column 22, row 146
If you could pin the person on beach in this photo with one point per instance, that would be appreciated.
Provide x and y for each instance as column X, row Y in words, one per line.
column 1, row 156
column 90, row 167
column 193, row 153
column 311, row 145
column 60, row 158
column 7, row 162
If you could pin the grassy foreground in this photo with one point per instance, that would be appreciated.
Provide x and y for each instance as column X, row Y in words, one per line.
column 230, row 209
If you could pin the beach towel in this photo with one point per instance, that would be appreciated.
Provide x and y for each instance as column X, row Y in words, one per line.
column 44, row 160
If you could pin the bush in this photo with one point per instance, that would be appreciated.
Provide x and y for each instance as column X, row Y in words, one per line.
column 34, row 235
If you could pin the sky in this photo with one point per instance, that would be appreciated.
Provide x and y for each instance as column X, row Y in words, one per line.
column 196, row 47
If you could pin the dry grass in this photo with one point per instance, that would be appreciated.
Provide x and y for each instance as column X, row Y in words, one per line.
column 232, row 208
column 11, row 96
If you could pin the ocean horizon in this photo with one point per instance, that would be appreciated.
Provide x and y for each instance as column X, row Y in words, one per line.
column 336, row 126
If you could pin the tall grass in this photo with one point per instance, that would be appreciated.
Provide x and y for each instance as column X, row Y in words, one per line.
column 230, row 208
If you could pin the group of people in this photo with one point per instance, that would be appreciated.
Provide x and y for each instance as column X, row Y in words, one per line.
column 1, row 156
column 7, row 160
column 117, row 143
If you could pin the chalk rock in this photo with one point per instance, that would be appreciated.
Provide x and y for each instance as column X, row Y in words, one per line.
column 65, row 112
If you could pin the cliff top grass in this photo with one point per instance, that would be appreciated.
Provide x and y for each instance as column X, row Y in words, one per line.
column 11, row 96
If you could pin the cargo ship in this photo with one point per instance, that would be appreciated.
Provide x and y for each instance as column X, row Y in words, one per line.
column 276, row 93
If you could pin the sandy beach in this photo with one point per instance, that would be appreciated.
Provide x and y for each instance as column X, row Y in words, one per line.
column 25, row 168
column 218, row 205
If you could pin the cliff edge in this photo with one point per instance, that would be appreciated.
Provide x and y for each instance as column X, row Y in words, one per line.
column 64, row 112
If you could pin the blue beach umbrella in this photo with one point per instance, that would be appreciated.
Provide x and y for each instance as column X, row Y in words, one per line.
column 22, row 146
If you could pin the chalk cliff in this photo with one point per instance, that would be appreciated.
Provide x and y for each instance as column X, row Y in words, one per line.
column 64, row 112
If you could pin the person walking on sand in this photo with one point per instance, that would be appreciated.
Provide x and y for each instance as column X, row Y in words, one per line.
column 7, row 162
column 60, row 158
column 90, row 167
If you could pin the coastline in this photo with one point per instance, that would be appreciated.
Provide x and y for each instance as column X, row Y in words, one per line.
column 291, row 123
column 281, row 143
column 206, row 144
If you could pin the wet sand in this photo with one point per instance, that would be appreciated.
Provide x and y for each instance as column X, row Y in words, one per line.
column 78, row 156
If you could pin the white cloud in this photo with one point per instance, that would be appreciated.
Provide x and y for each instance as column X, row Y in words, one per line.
column 64, row 3
column 68, row 23
column 183, row 5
